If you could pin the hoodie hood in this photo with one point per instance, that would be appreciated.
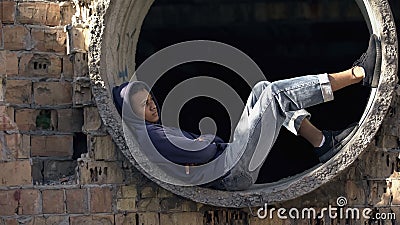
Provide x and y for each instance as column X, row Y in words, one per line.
column 147, row 155
column 120, row 97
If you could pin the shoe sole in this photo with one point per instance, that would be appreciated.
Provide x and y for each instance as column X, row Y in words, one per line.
column 378, row 61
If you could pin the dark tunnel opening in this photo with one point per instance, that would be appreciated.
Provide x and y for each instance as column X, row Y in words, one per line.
column 283, row 46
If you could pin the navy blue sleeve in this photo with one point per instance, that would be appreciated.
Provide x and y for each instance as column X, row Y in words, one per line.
column 178, row 149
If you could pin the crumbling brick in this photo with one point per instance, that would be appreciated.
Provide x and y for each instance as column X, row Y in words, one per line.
column 7, row 118
column 77, row 40
column 127, row 191
column 26, row 119
column 55, row 145
column 149, row 218
column 40, row 13
column 16, row 37
column 9, row 221
column 69, row 120
column 93, row 219
column 15, row 173
column 355, row 193
column 32, row 12
column 40, row 65
column 49, row 39
column 126, row 204
column 77, row 200
column 13, row 143
column 9, row 202
column 56, row 170
column 53, row 219
column 68, row 67
column 52, row 93
column 82, row 92
column 13, row 147
column 1, row 36
column 30, row 202
column 80, row 61
column 127, row 199
column 8, row 63
column 53, row 201
column 7, row 11
column 19, row 91
column 148, row 192
column 67, row 12
column 125, row 219
column 102, row 148
column 37, row 168
column 182, row 218
column 149, row 205
column 53, row 15
column 100, row 172
column 92, row 120
column 101, row 199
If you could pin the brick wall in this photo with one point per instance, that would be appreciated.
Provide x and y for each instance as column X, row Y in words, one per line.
column 59, row 166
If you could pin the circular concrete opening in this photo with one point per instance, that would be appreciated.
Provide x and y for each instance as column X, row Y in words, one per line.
column 115, row 33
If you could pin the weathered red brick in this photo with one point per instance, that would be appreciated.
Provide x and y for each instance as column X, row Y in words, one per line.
column 41, row 220
column 40, row 65
column 40, row 13
column 149, row 218
column 32, row 12
column 53, row 201
column 53, row 15
column 19, row 91
column 69, row 120
column 101, row 199
column 52, row 93
column 93, row 219
column 77, row 200
column 55, row 145
column 79, row 39
column 182, row 218
column 26, row 119
column 7, row 11
column 67, row 11
column 6, row 119
column 126, row 204
column 10, row 61
column 30, row 203
column 1, row 35
column 9, row 221
column 92, row 120
column 16, row 37
column 80, row 61
column 125, row 219
column 13, row 143
column 49, row 39
column 101, row 172
column 9, row 202
column 68, row 67
column 82, row 92
column 15, row 173
column 102, row 148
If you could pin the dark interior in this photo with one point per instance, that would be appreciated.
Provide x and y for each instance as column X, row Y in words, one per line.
column 283, row 43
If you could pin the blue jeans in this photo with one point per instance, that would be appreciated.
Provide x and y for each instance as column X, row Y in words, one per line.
column 269, row 107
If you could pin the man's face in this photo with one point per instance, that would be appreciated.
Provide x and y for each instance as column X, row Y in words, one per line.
column 144, row 106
